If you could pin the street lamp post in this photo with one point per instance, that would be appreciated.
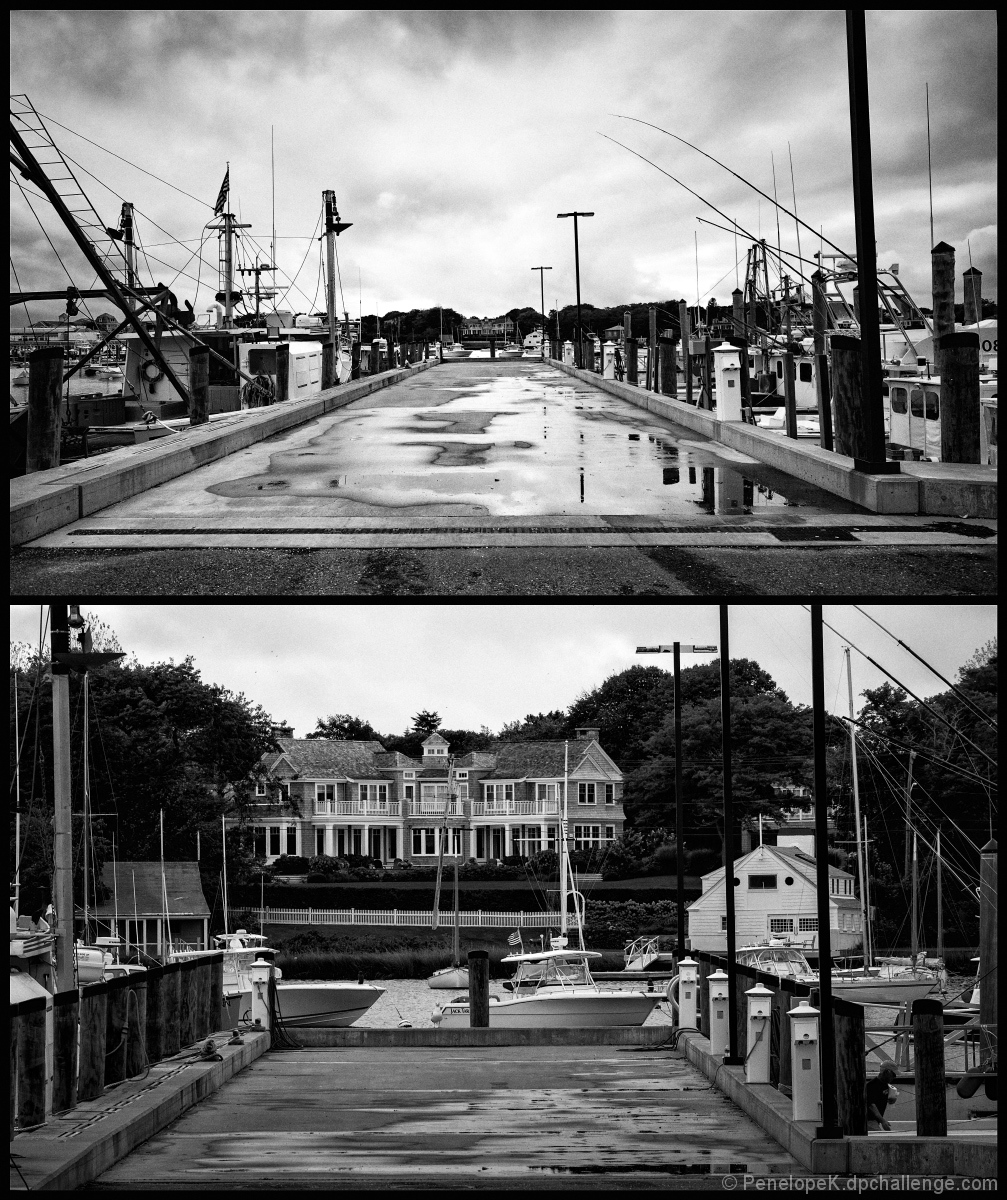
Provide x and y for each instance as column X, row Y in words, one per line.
column 541, row 279
column 676, row 648
column 576, row 263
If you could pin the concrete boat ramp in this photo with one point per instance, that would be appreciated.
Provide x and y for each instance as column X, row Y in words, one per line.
column 491, row 462
column 516, row 1117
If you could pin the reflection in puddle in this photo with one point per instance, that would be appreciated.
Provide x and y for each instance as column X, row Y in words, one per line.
column 508, row 445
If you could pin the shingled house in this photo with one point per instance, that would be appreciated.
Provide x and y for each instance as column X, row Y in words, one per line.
column 328, row 797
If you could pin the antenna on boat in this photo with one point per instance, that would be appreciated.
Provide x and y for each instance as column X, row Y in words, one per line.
column 930, row 176
column 793, row 188
column 272, row 169
column 779, row 256
column 115, row 896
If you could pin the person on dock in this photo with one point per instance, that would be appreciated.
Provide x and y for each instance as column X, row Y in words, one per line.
column 879, row 1093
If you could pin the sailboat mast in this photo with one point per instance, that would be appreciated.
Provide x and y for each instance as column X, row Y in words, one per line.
column 940, row 902
column 856, row 811
column 868, row 932
column 915, row 930
column 223, row 839
column 115, row 896
column 456, row 941
column 86, row 782
column 17, row 806
column 562, row 841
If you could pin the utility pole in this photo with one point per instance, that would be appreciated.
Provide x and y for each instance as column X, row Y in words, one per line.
column 62, row 891
column 541, row 280
column 676, row 649
column 733, row 1058
column 578, row 344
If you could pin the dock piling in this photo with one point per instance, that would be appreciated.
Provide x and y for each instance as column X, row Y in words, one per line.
column 819, row 322
column 116, row 1034
column 93, row 1015
column 851, row 1072
column 790, row 394
column 45, row 378
column 972, row 286
column 958, row 354
column 31, row 1072
column 65, row 1014
column 199, row 385
column 136, row 1025
column 479, row 989
column 171, row 984
column 685, row 332
column 154, row 1018
column 928, row 1068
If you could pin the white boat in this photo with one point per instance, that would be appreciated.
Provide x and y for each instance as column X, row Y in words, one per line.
column 455, row 976
column 807, row 426
column 109, row 373
column 449, row 978
column 323, row 1003
column 553, row 989
column 877, row 986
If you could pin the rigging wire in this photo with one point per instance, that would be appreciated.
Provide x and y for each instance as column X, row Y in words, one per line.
column 31, row 325
column 303, row 260
column 961, row 696
column 939, row 762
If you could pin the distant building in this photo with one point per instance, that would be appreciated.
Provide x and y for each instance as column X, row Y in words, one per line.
column 330, row 797
column 144, row 914
column 106, row 322
column 481, row 327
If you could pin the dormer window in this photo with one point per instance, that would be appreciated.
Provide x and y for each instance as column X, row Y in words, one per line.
column 408, row 774
column 260, row 788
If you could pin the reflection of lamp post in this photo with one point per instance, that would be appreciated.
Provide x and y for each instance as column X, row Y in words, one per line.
column 541, row 279
column 576, row 264
column 676, row 648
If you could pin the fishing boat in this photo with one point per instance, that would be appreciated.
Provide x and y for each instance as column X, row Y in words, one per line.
column 553, row 989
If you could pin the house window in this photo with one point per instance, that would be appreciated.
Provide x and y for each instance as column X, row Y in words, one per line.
column 609, row 833
column 319, row 842
column 723, row 924
column 284, row 793
column 260, row 841
column 461, row 774
column 325, row 794
column 781, row 924
column 409, row 791
column 547, row 791
column 260, row 788
column 765, row 882
column 424, row 841
column 586, row 836
column 434, row 791
column 585, row 793
column 291, row 839
column 374, row 791
column 609, row 793
column 499, row 792
column 463, row 791
column 807, row 925
column 408, row 774
column 274, row 840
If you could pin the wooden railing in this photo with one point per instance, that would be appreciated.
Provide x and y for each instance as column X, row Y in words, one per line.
column 106, row 1033
column 400, row 916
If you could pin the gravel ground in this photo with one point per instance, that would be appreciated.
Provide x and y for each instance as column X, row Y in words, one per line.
column 658, row 571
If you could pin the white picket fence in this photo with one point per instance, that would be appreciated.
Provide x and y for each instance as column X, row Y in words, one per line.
column 401, row 916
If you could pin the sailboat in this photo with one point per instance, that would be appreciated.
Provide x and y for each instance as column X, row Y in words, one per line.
column 553, row 989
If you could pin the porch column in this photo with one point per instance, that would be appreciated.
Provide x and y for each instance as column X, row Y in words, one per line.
column 543, row 831
column 365, row 842
column 283, row 838
column 330, row 849
column 206, row 933
column 508, row 842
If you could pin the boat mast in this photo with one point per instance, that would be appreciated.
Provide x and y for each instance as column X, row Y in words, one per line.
column 915, row 930
column 166, row 930
column 562, row 842
column 856, row 812
column 456, row 941
column 115, row 897
column 940, row 902
column 869, row 942
column 17, row 806
column 85, row 831
column 223, row 839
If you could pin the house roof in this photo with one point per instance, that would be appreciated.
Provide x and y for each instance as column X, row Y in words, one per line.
column 434, row 738
column 539, row 760
column 330, row 756
column 182, row 884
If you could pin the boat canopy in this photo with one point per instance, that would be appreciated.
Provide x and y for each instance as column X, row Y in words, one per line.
column 545, row 955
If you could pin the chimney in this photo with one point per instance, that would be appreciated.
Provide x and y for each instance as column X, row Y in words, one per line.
column 589, row 733
column 282, row 730
column 972, row 282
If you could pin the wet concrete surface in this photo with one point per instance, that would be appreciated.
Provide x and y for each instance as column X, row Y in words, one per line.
column 529, row 1117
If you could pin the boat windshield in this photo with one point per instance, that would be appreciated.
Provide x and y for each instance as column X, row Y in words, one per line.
column 553, row 972
column 776, row 961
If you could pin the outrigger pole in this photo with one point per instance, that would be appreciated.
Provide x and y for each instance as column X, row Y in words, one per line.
column 29, row 167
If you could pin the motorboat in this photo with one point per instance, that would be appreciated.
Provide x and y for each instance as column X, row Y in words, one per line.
column 878, row 985
column 449, row 978
column 325, row 1003
column 553, row 989
column 807, row 426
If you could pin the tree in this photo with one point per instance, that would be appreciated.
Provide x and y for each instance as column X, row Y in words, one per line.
column 344, row 728
column 537, row 727
column 426, row 722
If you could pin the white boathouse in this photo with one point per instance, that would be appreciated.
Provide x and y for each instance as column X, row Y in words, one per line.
column 775, row 896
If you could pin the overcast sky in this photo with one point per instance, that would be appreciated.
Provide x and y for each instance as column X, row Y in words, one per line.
column 453, row 138
column 490, row 664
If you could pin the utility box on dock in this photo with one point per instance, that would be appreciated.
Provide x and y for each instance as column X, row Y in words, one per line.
column 727, row 381
column 806, row 1060
column 760, row 999
column 720, row 1016
column 688, row 993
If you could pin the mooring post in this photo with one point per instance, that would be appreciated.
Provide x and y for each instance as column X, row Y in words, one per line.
column 354, row 360
column 479, row 989
column 972, row 287
column 988, row 949
column 136, row 1024
column 65, row 1013
column 171, row 983
column 790, row 394
column 199, row 385
column 93, row 1010
column 115, row 1030
column 851, row 1073
column 155, row 1014
column 846, row 392
column 960, row 411
column 217, row 992
column 31, row 1079
column 12, row 1025
column 630, row 344
column 666, row 357
column 685, row 330
column 651, row 348
column 493, row 347
column 928, row 1068
column 942, row 273
column 820, row 318
column 45, row 380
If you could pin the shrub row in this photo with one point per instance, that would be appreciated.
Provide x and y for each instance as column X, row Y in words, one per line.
column 368, row 897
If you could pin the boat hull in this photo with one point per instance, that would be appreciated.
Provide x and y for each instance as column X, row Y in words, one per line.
column 320, row 1005
column 882, row 991
column 450, row 978
column 561, row 1009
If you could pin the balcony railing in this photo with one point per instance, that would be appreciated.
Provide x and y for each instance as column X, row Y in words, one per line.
column 515, row 808
column 358, row 808
column 436, row 808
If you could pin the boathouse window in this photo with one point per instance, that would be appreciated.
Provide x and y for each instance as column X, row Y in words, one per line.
column 781, row 924
column 497, row 793
column 463, row 790
column 434, row 792
column 807, row 925
column 764, row 882
column 585, row 793
column 609, row 793
column 408, row 774
column 609, row 833
column 461, row 774
column 723, row 924
column 587, row 836
column 898, row 398
column 805, row 369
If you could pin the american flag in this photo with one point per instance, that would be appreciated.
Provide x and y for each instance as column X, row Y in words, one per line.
column 514, row 939
column 225, row 187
